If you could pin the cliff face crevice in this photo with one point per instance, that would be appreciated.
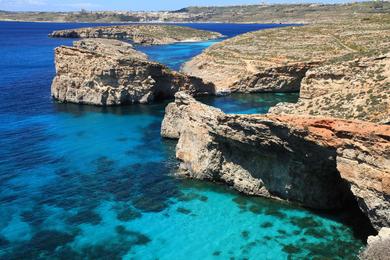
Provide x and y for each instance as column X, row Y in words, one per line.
column 357, row 89
column 110, row 72
column 278, row 79
column 321, row 163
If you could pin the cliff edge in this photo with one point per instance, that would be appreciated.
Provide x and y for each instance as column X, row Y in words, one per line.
column 320, row 163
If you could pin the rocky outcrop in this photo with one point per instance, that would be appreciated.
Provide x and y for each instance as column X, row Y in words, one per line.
column 378, row 247
column 140, row 34
column 317, row 162
column 276, row 60
column 110, row 72
column 276, row 79
column 357, row 89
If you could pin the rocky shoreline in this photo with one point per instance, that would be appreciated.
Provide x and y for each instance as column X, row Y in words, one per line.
column 328, row 151
column 320, row 163
column 276, row 60
column 140, row 34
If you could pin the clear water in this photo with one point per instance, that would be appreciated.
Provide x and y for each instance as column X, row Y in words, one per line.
column 81, row 182
column 174, row 55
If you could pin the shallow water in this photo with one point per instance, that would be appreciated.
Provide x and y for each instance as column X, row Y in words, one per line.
column 82, row 181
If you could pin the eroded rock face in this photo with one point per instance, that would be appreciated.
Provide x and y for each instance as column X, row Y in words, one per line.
column 318, row 162
column 110, row 72
column 378, row 247
column 140, row 34
column 276, row 79
column 358, row 89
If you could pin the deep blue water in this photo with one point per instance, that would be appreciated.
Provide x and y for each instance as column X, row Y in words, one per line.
column 82, row 182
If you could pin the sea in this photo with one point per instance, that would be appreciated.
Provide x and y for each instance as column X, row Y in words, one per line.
column 87, row 182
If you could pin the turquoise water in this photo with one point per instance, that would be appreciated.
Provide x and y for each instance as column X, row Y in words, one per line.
column 178, row 53
column 81, row 182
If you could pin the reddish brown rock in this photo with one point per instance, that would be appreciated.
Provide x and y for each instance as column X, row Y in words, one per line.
column 318, row 162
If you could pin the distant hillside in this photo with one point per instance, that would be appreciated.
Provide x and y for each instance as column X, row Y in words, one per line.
column 282, row 13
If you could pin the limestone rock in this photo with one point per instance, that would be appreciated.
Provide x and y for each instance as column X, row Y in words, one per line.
column 378, row 247
column 141, row 34
column 358, row 89
column 110, row 72
column 275, row 60
column 317, row 162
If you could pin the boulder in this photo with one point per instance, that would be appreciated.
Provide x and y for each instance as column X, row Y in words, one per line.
column 378, row 247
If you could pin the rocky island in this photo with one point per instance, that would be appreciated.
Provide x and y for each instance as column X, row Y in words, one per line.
column 141, row 34
column 109, row 72
column 106, row 71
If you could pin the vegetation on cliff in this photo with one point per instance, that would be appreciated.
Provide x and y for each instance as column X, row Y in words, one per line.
column 233, row 65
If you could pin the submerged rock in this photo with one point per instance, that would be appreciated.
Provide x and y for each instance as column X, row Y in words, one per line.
column 321, row 163
column 141, row 34
column 110, row 72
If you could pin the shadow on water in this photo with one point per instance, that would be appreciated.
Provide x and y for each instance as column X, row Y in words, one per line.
column 156, row 108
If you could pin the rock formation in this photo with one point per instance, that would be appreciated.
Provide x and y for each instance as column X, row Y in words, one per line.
column 141, row 34
column 111, row 72
column 378, row 247
column 358, row 89
column 276, row 60
column 317, row 162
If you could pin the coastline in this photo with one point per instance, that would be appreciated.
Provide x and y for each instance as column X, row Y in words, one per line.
column 308, row 153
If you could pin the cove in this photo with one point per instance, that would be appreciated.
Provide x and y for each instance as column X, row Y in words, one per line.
column 88, row 182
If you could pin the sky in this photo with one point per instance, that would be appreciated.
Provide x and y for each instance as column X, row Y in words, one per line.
column 128, row 5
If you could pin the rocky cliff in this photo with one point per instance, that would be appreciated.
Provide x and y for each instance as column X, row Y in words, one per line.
column 111, row 72
column 317, row 162
column 358, row 89
column 141, row 34
column 277, row 60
